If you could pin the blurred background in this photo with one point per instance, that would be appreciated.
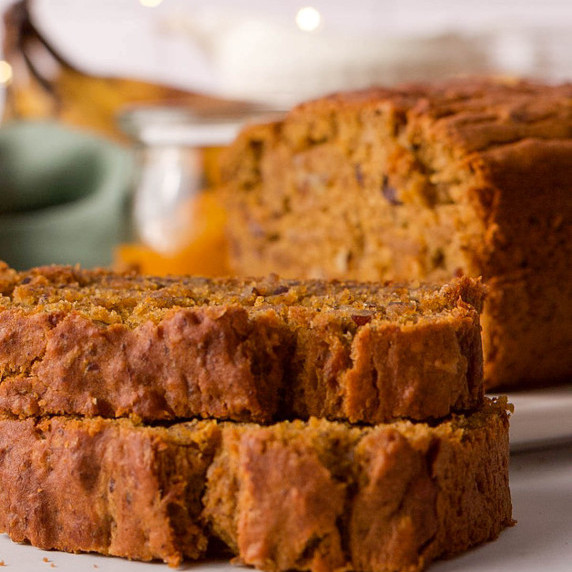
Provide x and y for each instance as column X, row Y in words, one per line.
column 115, row 111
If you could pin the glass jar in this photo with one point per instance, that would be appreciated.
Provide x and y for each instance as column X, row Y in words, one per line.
column 177, row 220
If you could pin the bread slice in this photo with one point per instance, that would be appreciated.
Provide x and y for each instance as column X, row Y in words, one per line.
column 91, row 343
column 423, row 182
column 315, row 495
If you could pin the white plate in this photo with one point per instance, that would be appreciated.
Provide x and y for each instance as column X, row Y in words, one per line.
column 540, row 417
column 541, row 485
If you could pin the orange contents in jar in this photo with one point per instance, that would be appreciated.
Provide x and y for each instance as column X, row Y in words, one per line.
column 205, row 252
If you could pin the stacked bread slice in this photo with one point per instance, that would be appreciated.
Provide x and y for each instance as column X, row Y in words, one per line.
column 307, row 425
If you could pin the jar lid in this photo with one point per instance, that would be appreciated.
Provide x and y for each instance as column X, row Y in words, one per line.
column 193, row 127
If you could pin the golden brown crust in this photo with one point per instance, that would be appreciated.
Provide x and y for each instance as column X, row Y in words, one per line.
column 314, row 495
column 91, row 343
column 423, row 182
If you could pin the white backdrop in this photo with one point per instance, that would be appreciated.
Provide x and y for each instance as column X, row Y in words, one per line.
column 253, row 48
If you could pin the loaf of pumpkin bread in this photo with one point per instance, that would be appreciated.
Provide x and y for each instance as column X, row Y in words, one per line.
column 94, row 342
column 423, row 182
column 315, row 495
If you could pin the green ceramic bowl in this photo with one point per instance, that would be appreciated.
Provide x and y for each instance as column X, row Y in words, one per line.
column 63, row 195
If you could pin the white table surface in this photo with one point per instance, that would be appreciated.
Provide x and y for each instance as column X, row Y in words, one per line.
column 541, row 486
